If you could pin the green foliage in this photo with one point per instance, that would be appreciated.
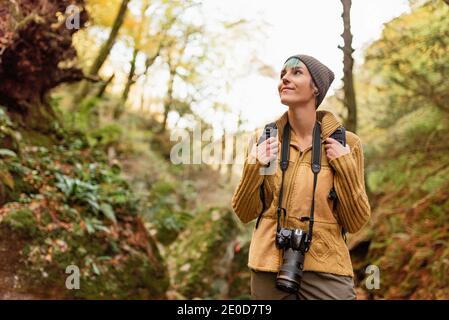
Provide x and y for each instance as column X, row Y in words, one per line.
column 203, row 255
column 105, row 136
column 9, row 138
column 80, row 211
column 404, row 94
column 75, row 191
column 408, row 66
column 167, row 210
column 7, row 153
column 22, row 220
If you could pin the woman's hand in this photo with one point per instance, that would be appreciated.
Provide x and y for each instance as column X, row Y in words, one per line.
column 267, row 150
column 335, row 149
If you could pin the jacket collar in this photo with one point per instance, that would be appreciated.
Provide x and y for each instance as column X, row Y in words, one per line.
column 329, row 123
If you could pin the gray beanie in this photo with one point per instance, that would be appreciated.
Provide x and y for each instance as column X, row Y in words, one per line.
column 322, row 76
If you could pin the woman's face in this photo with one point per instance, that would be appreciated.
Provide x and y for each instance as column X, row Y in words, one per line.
column 295, row 84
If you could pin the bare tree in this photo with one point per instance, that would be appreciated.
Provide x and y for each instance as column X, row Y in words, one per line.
column 105, row 48
column 348, row 63
column 240, row 123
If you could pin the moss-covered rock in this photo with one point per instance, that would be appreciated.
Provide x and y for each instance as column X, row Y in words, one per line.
column 202, row 255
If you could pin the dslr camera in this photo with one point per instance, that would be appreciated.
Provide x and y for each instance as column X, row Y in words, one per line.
column 293, row 241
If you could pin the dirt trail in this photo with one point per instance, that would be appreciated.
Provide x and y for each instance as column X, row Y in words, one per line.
column 10, row 247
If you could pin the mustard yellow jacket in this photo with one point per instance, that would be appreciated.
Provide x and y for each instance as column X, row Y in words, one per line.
column 328, row 251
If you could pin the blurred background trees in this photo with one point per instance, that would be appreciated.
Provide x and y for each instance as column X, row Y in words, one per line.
column 85, row 174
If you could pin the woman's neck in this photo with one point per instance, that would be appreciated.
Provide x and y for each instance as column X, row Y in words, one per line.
column 302, row 120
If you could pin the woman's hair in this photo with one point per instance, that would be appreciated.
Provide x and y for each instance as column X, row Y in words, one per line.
column 291, row 63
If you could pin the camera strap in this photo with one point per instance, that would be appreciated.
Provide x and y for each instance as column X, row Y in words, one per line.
column 315, row 166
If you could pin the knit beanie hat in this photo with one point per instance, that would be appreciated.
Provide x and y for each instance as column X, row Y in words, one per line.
column 322, row 76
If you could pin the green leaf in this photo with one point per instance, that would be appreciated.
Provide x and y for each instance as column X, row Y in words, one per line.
column 89, row 227
column 8, row 153
column 95, row 268
column 107, row 210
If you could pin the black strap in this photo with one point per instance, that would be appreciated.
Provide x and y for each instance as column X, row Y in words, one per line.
column 285, row 156
column 262, row 198
column 340, row 135
column 316, row 167
column 334, row 198
column 265, row 136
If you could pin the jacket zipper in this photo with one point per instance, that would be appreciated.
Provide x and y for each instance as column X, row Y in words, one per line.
column 292, row 182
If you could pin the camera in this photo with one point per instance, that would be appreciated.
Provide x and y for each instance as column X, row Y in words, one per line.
column 293, row 241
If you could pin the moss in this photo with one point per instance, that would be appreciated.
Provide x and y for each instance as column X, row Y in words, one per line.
column 22, row 220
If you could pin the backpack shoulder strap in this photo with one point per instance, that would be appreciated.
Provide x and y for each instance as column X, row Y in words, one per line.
column 340, row 135
column 262, row 138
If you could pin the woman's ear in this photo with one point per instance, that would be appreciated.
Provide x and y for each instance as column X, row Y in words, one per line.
column 314, row 88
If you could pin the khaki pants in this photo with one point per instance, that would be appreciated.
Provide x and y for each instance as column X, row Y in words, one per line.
column 314, row 286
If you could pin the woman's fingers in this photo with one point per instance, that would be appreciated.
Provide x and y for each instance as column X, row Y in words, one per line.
column 268, row 150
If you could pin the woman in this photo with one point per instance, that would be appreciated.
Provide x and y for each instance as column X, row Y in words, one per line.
column 328, row 273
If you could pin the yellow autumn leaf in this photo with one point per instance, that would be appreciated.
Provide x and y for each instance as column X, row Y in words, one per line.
column 7, row 179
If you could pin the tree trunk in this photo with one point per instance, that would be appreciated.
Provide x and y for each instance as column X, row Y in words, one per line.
column 105, row 49
column 131, row 76
column 131, row 80
column 34, row 45
column 168, row 100
column 348, row 63
column 104, row 86
column 107, row 46
column 234, row 147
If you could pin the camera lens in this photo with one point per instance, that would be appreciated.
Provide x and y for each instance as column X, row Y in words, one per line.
column 290, row 274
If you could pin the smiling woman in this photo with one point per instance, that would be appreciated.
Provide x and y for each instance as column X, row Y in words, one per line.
column 296, row 79
column 285, row 263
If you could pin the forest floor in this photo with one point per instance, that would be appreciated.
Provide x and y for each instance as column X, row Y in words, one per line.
column 10, row 252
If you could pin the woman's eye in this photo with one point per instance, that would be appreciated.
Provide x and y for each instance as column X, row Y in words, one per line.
column 296, row 71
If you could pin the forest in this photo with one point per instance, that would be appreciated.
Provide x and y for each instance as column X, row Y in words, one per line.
column 91, row 92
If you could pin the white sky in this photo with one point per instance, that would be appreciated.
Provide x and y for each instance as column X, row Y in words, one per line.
column 310, row 27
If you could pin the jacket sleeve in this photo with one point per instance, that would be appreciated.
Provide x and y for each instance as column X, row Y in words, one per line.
column 353, row 207
column 246, row 202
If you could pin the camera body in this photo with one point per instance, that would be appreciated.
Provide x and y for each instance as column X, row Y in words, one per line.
column 294, row 243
